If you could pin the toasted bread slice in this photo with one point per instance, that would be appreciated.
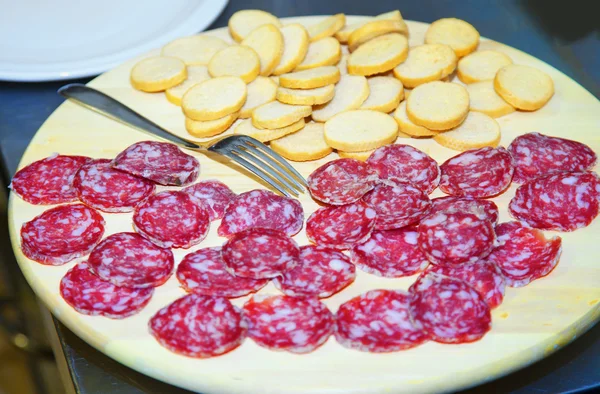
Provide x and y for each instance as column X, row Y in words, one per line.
column 438, row 105
column 344, row 34
column 209, row 128
column 243, row 22
column 458, row 34
column 305, row 144
column 327, row 27
column 360, row 130
column 155, row 74
column 350, row 93
column 483, row 98
column 275, row 115
column 260, row 91
column 194, row 50
column 310, row 79
column 481, row 66
column 374, row 29
column 385, row 93
column 214, row 98
column 195, row 75
column 426, row 63
column 314, row 96
column 477, row 131
column 235, row 61
column 362, row 156
column 524, row 87
column 343, row 64
column 295, row 46
column 263, row 135
column 406, row 126
column 379, row 55
column 324, row 52
column 267, row 42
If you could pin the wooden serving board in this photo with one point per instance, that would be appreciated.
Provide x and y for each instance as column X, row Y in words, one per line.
column 531, row 323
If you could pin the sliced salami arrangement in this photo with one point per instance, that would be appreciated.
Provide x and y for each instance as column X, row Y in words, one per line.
column 216, row 196
column 483, row 209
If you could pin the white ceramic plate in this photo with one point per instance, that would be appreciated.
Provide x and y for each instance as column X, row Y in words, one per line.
column 66, row 39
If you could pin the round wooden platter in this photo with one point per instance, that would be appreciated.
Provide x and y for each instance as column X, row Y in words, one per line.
column 531, row 323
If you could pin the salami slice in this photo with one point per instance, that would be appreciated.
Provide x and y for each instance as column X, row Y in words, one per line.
column 449, row 310
column 378, row 321
column 159, row 162
column 130, row 260
column 260, row 253
column 48, row 181
column 341, row 181
column 102, row 187
column 484, row 209
column 563, row 202
column 406, row 164
column 321, row 272
column 451, row 238
column 483, row 172
column 524, row 254
column 341, row 227
column 390, row 254
column 62, row 234
column 215, row 195
column 483, row 276
column 536, row 155
column 90, row 295
column 204, row 272
column 172, row 219
column 293, row 324
column 262, row 208
column 199, row 326
column 397, row 204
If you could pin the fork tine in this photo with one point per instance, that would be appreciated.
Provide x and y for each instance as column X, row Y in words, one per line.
column 298, row 186
column 274, row 155
column 268, row 169
column 255, row 170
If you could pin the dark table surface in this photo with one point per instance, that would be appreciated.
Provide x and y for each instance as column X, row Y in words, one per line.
column 563, row 35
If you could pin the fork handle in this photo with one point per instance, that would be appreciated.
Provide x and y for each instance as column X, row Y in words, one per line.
column 111, row 108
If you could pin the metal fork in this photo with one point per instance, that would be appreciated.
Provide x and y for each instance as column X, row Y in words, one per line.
column 246, row 151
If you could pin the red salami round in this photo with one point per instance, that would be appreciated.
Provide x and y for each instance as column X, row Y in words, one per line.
column 483, row 276
column 204, row 272
column 341, row 181
column 378, row 321
column 341, row 227
column 390, row 254
column 481, row 173
column 62, row 234
column 262, row 208
column 102, row 187
column 90, row 295
column 406, row 164
column 484, row 209
column 160, row 162
column 449, row 310
column 172, row 219
column 260, row 253
column 293, row 324
column 48, row 181
column 321, row 272
column 524, row 254
column 215, row 196
column 199, row 326
column 562, row 202
column 130, row 260
column 451, row 238
column 536, row 155
column 397, row 204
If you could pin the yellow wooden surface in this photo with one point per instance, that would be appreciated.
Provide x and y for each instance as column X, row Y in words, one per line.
column 531, row 323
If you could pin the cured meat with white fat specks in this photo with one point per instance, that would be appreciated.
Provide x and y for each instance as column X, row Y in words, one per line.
column 62, row 234
column 160, row 162
column 262, row 208
column 378, row 321
column 199, row 326
column 48, row 181
column 216, row 196
column 293, row 324
column 90, row 295
column 204, row 272
column 449, row 310
column 484, row 209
